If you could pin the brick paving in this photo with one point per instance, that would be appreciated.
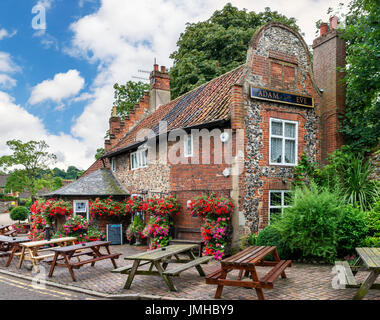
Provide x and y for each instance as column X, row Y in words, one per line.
column 304, row 282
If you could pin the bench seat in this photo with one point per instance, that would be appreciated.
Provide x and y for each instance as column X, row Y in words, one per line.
column 193, row 263
column 274, row 273
column 89, row 253
column 78, row 264
column 127, row 269
column 349, row 276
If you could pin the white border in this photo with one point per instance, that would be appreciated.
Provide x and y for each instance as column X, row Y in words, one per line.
column 87, row 209
column 277, row 207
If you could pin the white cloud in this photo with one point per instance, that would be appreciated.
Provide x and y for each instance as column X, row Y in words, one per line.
column 7, row 82
column 17, row 123
column 63, row 85
column 6, row 34
column 6, row 63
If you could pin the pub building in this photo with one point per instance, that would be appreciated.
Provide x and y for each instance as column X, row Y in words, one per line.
column 272, row 109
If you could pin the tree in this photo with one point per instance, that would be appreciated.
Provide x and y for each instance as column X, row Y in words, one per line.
column 29, row 159
column 213, row 47
column 99, row 153
column 127, row 95
column 361, row 125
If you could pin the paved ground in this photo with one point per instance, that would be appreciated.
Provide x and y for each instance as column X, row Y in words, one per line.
column 306, row 282
column 12, row 288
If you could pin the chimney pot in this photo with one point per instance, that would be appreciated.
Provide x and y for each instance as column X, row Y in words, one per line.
column 333, row 22
column 155, row 67
column 324, row 28
column 163, row 69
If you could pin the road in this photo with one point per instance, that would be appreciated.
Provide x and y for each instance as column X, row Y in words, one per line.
column 12, row 288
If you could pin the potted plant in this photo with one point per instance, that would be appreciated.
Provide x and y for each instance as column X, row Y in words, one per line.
column 135, row 230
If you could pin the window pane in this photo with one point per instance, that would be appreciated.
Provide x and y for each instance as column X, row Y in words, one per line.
column 277, row 128
column 275, row 214
column 275, row 199
column 287, row 198
column 290, row 148
column 290, row 130
column 80, row 207
column 276, row 150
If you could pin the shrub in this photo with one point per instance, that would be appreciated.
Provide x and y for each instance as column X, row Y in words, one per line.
column 19, row 214
column 351, row 230
column 372, row 219
column 310, row 225
column 270, row 236
column 74, row 227
column 136, row 228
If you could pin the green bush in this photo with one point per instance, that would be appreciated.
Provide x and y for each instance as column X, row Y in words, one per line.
column 351, row 230
column 19, row 214
column 270, row 236
column 372, row 219
column 310, row 225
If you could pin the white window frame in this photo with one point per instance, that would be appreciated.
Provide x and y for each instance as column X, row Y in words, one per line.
column 87, row 208
column 141, row 161
column 188, row 154
column 113, row 165
column 282, row 206
column 283, row 138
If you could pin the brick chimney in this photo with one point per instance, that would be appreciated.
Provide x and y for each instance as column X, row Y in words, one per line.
column 329, row 53
column 159, row 88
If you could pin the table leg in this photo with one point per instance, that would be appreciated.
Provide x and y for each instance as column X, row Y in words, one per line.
column 255, row 278
column 34, row 253
column 21, row 257
column 131, row 275
column 112, row 259
column 277, row 258
column 56, row 254
column 167, row 279
column 366, row 285
column 219, row 289
column 198, row 267
column 67, row 262
column 14, row 250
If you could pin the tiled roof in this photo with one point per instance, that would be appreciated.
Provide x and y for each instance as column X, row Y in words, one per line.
column 207, row 103
column 98, row 183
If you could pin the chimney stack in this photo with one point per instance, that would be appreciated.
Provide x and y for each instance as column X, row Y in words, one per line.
column 159, row 93
column 324, row 28
column 329, row 54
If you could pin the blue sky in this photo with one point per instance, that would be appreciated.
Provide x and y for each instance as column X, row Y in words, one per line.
column 56, row 83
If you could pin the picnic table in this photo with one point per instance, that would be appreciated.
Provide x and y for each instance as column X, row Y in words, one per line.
column 6, row 230
column 31, row 250
column 246, row 262
column 9, row 246
column 69, row 252
column 369, row 258
column 160, row 259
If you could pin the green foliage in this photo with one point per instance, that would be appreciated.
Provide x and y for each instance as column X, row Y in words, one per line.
column 346, row 173
column 56, row 183
column 32, row 157
column 19, row 213
column 361, row 124
column 252, row 239
column 127, row 95
column 137, row 225
column 270, row 236
column 99, row 153
column 351, row 230
column 310, row 225
column 373, row 222
column 213, row 47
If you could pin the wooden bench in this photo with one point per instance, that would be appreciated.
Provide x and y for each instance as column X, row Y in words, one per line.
column 177, row 240
column 344, row 267
column 31, row 251
column 127, row 269
column 194, row 263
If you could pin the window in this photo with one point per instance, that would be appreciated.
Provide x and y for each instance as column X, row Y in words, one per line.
column 283, row 142
column 139, row 159
column 113, row 165
column 81, row 208
column 189, row 145
column 278, row 200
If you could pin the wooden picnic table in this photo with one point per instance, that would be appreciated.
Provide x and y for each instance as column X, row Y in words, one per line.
column 160, row 259
column 9, row 246
column 31, row 250
column 6, row 230
column 69, row 252
column 370, row 257
column 246, row 262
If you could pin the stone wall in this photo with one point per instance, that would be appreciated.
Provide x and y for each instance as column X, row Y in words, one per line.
column 278, row 59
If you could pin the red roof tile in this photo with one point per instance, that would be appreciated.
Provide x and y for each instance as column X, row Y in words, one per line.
column 207, row 103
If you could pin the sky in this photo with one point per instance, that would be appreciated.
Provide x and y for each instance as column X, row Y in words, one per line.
column 59, row 60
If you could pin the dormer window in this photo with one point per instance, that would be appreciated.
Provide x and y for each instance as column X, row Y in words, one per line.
column 113, row 165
